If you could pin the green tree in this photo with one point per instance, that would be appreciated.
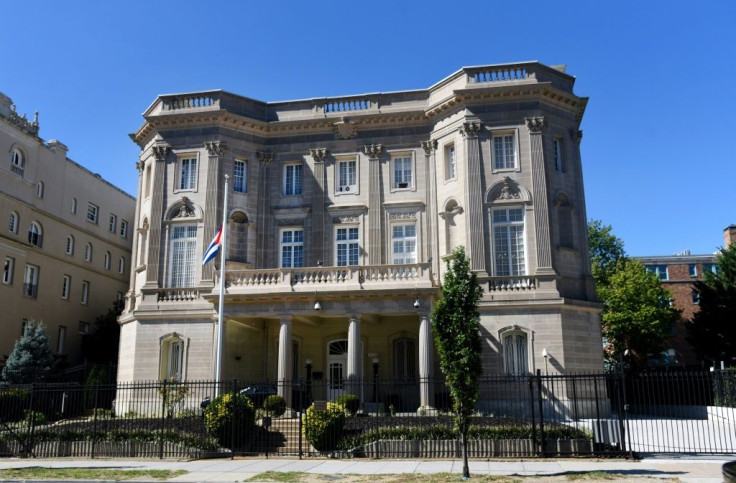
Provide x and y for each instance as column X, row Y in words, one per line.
column 637, row 314
column 31, row 358
column 712, row 331
column 457, row 337
column 101, row 346
column 606, row 250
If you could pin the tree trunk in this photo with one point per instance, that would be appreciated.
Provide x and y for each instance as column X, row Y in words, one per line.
column 464, row 440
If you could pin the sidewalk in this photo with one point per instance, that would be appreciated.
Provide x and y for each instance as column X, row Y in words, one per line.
column 692, row 469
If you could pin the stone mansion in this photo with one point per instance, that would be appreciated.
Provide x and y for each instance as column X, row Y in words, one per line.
column 341, row 212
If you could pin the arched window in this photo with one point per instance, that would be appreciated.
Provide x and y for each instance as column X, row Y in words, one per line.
column 516, row 353
column 35, row 234
column 17, row 162
column 73, row 207
column 405, row 359
column 39, row 189
column 88, row 252
column 70, row 245
column 107, row 260
column 121, row 265
column 13, row 223
column 172, row 358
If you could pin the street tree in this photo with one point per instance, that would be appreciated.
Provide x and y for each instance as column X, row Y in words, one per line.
column 101, row 346
column 712, row 331
column 31, row 359
column 456, row 324
column 606, row 250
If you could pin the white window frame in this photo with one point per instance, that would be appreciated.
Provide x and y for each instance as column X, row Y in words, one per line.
column 558, row 154
column 172, row 358
column 8, row 270
column 346, row 179
column 84, row 299
column 240, row 176
column 187, row 172
column 121, row 265
column 107, row 263
column 515, row 345
column 73, row 207
column 70, row 245
column 35, row 234
column 403, row 246
column 693, row 269
column 182, row 271
column 13, row 223
column 93, row 213
column 123, row 228
column 292, row 182
column 30, row 281
column 450, row 162
column 61, row 339
column 349, row 243
column 66, row 286
column 84, row 328
column 112, row 225
column 291, row 241
column 40, row 189
column 401, row 177
column 88, row 252
column 695, row 296
column 506, row 260
column 660, row 270
column 17, row 161
column 507, row 161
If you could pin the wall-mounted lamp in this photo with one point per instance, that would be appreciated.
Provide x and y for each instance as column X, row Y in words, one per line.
column 416, row 303
column 317, row 305
column 545, row 354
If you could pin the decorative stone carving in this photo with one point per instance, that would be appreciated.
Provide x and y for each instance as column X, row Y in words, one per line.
column 139, row 166
column 290, row 221
column 185, row 211
column 345, row 129
column 403, row 216
column 455, row 210
column 22, row 122
column 470, row 129
column 264, row 157
column 576, row 135
column 508, row 190
column 319, row 154
column 338, row 220
column 161, row 151
column 373, row 151
column 143, row 228
column 215, row 148
column 562, row 201
column 535, row 124
column 429, row 146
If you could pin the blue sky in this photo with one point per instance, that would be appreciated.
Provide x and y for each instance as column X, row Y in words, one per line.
column 658, row 145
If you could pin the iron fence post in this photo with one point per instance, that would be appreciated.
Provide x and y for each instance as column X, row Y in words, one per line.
column 163, row 420
column 531, row 405
column 94, row 418
column 233, row 405
column 31, row 423
column 541, row 411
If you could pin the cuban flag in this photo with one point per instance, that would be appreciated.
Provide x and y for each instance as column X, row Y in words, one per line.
column 214, row 247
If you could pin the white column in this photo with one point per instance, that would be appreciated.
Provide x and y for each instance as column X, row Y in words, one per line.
column 355, row 356
column 426, row 362
column 285, row 364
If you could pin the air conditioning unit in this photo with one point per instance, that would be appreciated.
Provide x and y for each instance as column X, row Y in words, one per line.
column 403, row 185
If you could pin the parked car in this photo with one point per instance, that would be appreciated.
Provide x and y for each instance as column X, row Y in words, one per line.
column 300, row 398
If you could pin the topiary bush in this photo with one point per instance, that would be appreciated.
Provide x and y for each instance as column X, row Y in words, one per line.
column 274, row 405
column 323, row 429
column 231, row 419
column 351, row 402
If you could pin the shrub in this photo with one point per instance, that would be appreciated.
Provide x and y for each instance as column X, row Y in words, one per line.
column 12, row 402
column 323, row 429
column 231, row 419
column 37, row 417
column 275, row 405
column 351, row 402
column 173, row 393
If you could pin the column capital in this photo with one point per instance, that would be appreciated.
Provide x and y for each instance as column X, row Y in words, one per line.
column 264, row 157
column 139, row 166
column 319, row 154
column 470, row 129
column 577, row 135
column 373, row 151
column 215, row 148
column 160, row 151
column 535, row 124
column 429, row 146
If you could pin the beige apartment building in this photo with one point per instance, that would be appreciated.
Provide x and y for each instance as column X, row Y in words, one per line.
column 341, row 213
column 65, row 239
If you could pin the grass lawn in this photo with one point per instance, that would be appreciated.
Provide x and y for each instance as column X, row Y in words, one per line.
column 86, row 474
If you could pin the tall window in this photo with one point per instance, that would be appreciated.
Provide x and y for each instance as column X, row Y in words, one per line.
column 559, row 161
column 13, row 223
column 35, row 236
column 292, row 179
column 70, row 245
column 450, row 162
column 404, row 244
column 93, row 212
column 347, row 177
column 239, row 177
column 61, row 340
column 73, row 207
column 66, row 287
column 504, row 152
column 123, row 228
column 182, row 259
column 121, row 265
column 693, row 269
column 16, row 161
column 112, row 225
column 30, row 281
column 88, row 252
column 347, row 246
column 107, row 261
column 405, row 360
column 515, row 354
column 85, row 293
column 8, row 269
column 696, row 297
column 508, row 242
column 187, row 173
column 403, row 175
column 40, row 189
column 292, row 248
column 172, row 354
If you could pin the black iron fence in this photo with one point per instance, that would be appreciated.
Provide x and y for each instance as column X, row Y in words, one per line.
column 537, row 415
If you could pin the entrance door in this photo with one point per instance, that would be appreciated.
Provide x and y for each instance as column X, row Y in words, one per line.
column 337, row 359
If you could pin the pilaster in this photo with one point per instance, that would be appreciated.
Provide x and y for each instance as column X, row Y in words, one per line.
column 134, row 256
column 215, row 150
column 474, row 196
column 160, row 153
column 536, row 126
column 430, row 161
column 318, row 238
column 265, row 158
column 373, row 152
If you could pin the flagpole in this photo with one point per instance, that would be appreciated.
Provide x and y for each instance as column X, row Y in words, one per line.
column 220, row 318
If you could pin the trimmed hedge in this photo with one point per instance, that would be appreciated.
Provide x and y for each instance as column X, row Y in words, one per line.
column 231, row 419
column 323, row 429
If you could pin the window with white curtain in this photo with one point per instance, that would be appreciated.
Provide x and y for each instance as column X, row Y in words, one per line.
column 508, row 242
column 187, row 173
column 346, row 252
column 404, row 244
column 182, row 255
column 292, row 248
column 504, row 151
column 292, row 179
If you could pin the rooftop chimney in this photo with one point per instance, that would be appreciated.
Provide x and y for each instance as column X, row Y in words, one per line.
column 729, row 236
